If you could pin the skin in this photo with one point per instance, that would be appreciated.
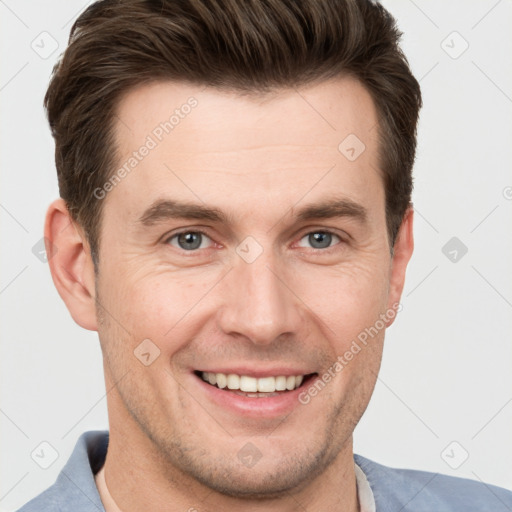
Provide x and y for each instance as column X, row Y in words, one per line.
column 259, row 159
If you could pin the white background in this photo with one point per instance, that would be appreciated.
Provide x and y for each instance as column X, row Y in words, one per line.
column 447, row 368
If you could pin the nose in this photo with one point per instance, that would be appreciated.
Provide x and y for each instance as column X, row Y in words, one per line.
column 258, row 301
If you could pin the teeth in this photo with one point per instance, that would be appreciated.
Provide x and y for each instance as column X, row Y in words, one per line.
column 266, row 384
column 233, row 381
column 253, row 386
column 280, row 383
column 222, row 380
column 248, row 384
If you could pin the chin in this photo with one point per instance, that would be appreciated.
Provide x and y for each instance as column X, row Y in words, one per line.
column 266, row 475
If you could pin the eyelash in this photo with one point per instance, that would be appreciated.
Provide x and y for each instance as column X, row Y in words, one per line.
column 201, row 232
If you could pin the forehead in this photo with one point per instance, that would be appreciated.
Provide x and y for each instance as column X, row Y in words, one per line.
column 320, row 114
column 206, row 144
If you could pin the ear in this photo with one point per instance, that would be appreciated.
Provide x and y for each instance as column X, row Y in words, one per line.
column 71, row 265
column 402, row 252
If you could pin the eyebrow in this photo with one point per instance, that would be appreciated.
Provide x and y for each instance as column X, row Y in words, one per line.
column 166, row 209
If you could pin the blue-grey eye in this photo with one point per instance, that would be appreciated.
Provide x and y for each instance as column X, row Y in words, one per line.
column 320, row 239
column 188, row 240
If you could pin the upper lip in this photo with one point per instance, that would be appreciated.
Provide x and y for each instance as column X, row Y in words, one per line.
column 258, row 372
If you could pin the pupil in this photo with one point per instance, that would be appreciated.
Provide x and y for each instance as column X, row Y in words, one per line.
column 323, row 239
column 189, row 240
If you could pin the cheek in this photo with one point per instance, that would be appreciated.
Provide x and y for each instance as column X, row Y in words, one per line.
column 154, row 296
column 347, row 299
column 159, row 306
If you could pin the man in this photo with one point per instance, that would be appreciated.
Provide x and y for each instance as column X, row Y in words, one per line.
column 235, row 214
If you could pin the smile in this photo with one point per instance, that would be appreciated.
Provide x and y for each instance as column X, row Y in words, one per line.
column 254, row 393
column 254, row 387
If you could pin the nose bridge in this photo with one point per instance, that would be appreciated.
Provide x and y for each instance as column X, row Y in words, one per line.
column 257, row 303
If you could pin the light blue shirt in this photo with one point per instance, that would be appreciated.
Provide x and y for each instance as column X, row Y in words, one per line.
column 394, row 490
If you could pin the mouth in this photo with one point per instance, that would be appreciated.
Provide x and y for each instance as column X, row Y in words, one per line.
column 254, row 394
column 255, row 387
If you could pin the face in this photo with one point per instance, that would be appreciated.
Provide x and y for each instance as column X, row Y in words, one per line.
column 245, row 243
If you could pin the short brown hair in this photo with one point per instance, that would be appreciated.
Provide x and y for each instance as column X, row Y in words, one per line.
column 247, row 46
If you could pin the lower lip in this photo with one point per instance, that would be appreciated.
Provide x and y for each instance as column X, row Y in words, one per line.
column 268, row 407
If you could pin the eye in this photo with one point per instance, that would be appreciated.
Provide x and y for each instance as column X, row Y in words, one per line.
column 188, row 240
column 320, row 239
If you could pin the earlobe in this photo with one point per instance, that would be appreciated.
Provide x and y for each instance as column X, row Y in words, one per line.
column 403, row 249
column 71, row 264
